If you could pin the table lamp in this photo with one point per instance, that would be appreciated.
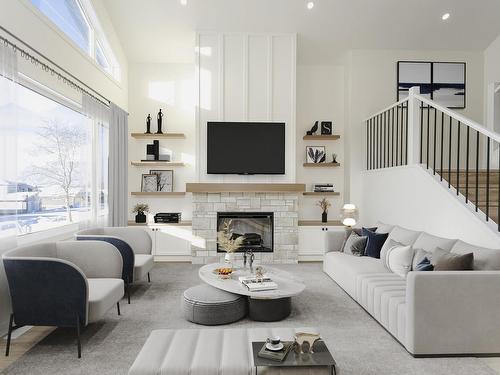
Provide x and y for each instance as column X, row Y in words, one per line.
column 349, row 215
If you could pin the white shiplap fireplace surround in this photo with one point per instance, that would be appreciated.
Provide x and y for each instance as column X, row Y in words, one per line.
column 283, row 204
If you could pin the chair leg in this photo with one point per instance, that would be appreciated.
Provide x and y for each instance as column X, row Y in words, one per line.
column 149, row 278
column 78, row 342
column 11, row 321
column 128, row 293
column 118, row 308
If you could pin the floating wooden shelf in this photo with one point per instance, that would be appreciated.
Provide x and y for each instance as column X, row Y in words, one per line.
column 319, row 223
column 324, row 137
column 244, row 188
column 321, row 193
column 159, row 193
column 321, row 165
column 157, row 163
column 158, row 136
column 181, row 224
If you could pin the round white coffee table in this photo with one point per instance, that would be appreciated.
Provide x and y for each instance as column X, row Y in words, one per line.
column 266, row 306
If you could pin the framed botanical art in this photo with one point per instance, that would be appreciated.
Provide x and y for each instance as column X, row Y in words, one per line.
column 149, row 183
column 165, row 180
column 443, row 82
column 315, row 154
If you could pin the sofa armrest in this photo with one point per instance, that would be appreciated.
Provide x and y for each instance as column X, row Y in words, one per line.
column 334, row 240
column 128, row 257
column 96, row 259
column 452, row 312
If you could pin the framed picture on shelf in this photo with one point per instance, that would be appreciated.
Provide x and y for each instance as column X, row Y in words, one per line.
column 326, row 127
column 149, row 183
column 315, row 154
column 165, row 180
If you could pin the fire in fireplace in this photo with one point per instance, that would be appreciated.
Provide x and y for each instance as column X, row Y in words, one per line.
column 257, row 229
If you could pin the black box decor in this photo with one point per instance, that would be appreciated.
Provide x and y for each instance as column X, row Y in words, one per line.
column 153, row 151
column 326, row 127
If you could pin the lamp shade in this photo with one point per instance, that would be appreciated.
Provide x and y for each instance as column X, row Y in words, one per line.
column 349, row 215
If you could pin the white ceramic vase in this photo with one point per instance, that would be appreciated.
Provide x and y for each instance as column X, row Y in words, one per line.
column 229, row 258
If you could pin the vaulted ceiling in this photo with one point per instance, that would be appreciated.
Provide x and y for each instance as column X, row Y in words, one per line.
column 164, row 30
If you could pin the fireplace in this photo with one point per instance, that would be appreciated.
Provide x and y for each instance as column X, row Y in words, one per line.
column 257, row 228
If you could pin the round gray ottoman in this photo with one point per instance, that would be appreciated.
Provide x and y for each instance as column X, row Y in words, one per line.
column 204, row 304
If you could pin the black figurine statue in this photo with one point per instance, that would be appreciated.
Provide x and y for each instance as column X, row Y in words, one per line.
column 148, row 124
column 313, row 129
column 160, row 120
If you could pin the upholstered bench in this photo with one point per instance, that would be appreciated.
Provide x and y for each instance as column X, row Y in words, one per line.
column 210, row 352
column 206, row 305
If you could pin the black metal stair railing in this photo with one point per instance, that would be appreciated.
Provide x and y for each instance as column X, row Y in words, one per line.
column 459, row 151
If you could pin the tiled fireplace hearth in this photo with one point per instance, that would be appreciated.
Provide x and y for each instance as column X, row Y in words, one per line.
column 284, row 206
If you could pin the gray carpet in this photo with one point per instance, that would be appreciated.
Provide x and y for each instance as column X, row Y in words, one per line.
column 359, row 344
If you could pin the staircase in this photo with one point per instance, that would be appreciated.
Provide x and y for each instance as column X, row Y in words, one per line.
column 460, row 152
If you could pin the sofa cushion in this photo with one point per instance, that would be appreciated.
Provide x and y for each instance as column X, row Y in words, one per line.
column 428, row 242
column 424, row 265
column 103, row 295
column 485, row 259
column 348, row 233
column 446, row 261
column 142, row 265
column 383, row 227
column 399, row 259
column 402, row 235
column 344, row 268
column 419, row 255
column 375, row 242
column 355, row 244
column 383, row 253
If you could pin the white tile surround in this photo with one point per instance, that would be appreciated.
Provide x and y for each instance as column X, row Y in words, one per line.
column 286, row 215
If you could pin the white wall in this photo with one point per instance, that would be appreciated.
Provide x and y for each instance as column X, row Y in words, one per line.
column 172, row 88
column 372, row 87
column 491, row 73
column 320, row 96
column 24, row 21
column 410, row 197
column 246, row 77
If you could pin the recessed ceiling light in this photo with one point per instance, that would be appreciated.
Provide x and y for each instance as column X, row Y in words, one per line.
column 445, row 16
column 184, row 2
column 310, row 5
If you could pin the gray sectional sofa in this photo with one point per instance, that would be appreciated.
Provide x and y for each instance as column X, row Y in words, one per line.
column 431, row 313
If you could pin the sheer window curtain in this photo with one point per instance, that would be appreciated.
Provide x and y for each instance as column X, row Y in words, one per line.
column 8, row 165
column 118, row 167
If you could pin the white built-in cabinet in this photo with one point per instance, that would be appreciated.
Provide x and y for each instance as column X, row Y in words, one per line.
column 171, row 242
column 313, row 241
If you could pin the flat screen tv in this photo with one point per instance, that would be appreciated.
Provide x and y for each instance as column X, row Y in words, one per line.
column 245, row 148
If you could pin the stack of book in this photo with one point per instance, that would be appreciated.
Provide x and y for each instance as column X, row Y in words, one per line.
column 322, row 188
column 258, row 285
column 276, row 355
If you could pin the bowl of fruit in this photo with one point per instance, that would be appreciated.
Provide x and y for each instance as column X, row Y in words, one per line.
column 224, row 272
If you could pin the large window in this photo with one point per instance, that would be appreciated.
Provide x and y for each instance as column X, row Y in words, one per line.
column 77, row 20
column 60, row 156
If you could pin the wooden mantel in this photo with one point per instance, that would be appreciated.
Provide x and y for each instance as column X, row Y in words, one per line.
column 244, row 188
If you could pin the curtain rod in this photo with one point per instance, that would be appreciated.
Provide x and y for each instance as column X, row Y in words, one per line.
column 48, row 69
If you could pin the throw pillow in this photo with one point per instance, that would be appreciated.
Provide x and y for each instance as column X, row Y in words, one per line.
column 385, row 249
column 453, row 262
column 424, row 265
column 375, row 242
column 400, row 258
column 420, row 255
column 348, row 232
column 358, row 246
column 349, row 241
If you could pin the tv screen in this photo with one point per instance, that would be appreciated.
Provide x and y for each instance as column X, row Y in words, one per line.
column 245, row 148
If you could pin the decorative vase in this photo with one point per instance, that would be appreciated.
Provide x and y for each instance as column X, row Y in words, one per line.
column 140, row 217
column 324, row 217
column 228, row 259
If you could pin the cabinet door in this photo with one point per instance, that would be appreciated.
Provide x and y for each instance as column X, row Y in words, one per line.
column 312, row 240
column 172, row 240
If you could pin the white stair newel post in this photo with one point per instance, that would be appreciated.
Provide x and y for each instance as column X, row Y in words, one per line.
column 413, row 126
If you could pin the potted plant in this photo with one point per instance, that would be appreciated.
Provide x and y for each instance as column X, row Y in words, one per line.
column 324, row 204
column 227, row 242
column 140, row 209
